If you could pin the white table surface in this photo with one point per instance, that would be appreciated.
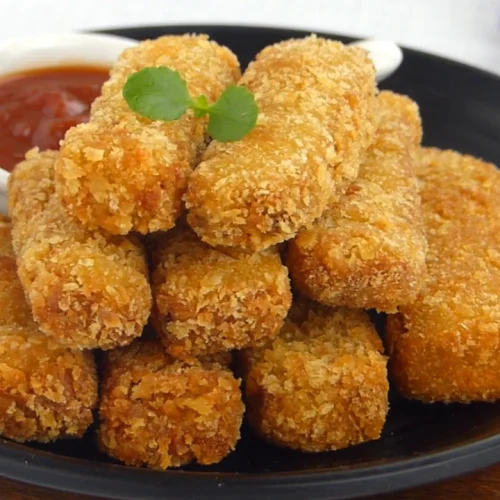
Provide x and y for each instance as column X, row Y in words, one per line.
column 466, row 30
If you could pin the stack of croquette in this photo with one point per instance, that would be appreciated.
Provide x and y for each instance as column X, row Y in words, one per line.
column 255, row 259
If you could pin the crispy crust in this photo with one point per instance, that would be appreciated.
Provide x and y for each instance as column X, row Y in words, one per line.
column 87, row 289
column 315, row 98
column 444, row 346
column 368, row 249
column 14, row 310
column 322, row 384
column 159, row 412
column 124, row 173
column 207, row 301
column 47, row 391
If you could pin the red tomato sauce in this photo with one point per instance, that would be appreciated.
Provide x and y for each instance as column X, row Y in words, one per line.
column 37, row 107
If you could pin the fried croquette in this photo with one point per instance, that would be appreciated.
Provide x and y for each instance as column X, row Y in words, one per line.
column 444, row 346
column 14, row 310
column 47, row 391
column 321, row 384
column 368, row 249
column 123, row 172
column 316, row 100
column 88, row 289
column 161, row 412
column 208, row 301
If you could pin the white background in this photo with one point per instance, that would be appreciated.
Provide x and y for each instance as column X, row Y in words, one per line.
column 466, row 30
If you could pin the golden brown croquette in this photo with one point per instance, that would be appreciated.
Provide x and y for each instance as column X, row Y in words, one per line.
column 316, row 100
column 123, row 172
column 208, row 301
column 368, row 248
column 88, row 289
column 444, row 346
column 47, row 391
column 321, row 384
column 161, row 412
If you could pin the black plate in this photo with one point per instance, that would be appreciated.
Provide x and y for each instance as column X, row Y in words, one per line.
column 420, row 444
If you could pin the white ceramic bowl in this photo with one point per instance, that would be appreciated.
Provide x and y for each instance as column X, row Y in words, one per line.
column 23, row 54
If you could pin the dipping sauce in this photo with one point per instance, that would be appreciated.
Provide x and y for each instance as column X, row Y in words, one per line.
column 37, row 107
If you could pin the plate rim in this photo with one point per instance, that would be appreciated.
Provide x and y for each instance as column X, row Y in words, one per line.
column 84, row 476
column 122, row 482
column 187, row 27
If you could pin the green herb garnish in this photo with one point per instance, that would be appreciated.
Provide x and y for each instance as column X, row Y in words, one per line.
column 161, row 94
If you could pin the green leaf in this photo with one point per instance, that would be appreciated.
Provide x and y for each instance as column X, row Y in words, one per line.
column 233, row 115
column 161, row 94
column 157, row 93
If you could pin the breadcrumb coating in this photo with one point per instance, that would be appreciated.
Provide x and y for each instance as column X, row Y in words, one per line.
column 123, row 172
column 14, row 310
column 315, row 99
column 207, row 301
column 321, row 384
column 444, row 346
column 47, row 391
column 88, row 289
column 159, row 412
column 368, row 249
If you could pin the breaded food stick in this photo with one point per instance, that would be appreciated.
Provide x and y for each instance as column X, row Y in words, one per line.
column 368, row 249
column 47, row 391
column 208, row 301
column 321, row 384
column 123, row 172
column 444, row 346
column 315, row 98
column 88, row 289
column 159, row 412
column 14, row 310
